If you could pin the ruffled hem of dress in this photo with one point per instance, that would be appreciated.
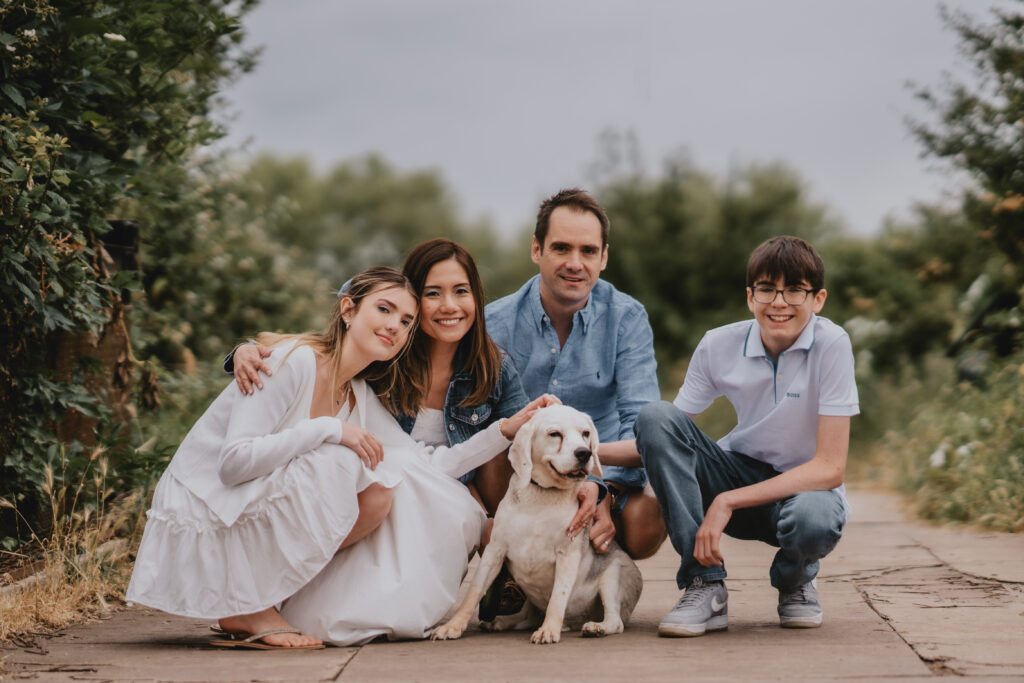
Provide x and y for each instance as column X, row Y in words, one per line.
column 191, row 564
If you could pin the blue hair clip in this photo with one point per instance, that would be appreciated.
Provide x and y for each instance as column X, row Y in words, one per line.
column 345, row 287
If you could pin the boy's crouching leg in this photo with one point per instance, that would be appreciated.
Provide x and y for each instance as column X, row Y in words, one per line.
column 809, row 527
column 663, row 431
column 665, row 442
column 810, row 524
column 667, row 438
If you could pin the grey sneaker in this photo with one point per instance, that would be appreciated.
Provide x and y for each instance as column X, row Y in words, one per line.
column 703, row 607
column 800, row 608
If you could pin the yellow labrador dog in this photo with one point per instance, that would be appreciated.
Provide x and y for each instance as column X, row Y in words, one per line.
column 551, row 456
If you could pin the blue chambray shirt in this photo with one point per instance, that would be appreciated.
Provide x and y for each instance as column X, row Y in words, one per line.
column 606, row 368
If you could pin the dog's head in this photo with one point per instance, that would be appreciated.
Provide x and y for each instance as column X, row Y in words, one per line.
column 557, row 448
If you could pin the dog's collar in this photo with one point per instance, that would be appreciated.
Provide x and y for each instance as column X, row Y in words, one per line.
column 548, row 488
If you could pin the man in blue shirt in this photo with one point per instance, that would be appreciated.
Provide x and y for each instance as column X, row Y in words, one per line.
column 574, row 335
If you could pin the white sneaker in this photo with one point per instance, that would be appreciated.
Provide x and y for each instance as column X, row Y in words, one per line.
column 702, row 607
column 800, row 607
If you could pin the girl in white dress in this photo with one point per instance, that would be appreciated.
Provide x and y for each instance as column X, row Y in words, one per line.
column 265, row 490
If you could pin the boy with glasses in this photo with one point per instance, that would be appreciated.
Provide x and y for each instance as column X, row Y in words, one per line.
column 777, row 476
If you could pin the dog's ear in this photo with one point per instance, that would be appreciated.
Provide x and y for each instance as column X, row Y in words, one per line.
column 519, row 456
column 594, row 442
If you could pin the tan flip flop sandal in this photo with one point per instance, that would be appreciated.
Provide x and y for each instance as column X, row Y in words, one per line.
column 244, row 641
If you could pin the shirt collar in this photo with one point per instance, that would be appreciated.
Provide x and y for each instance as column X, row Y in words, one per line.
column 581, row 317
column 753, row 347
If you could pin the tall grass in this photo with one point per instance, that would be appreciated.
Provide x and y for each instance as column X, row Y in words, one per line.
column 84, row 558
column 86, row 543
column 955, row 449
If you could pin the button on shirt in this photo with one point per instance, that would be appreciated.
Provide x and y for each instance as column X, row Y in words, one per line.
column 606, row 367
column 777, row 404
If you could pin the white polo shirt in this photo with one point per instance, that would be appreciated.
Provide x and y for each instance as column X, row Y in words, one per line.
column 777, row 406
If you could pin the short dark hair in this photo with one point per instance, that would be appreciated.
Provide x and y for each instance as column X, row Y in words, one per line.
column 790, row 258
column 576, row 199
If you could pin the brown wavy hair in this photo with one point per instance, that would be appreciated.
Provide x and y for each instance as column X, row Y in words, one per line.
column 327, row 343
column 477, row 352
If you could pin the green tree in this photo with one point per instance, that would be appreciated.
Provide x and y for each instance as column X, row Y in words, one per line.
column 680, row 242
column 364, row 212
column 897, row 292
column 979, row 131
column 97, row 101
column 215, row 268
column 360, row 213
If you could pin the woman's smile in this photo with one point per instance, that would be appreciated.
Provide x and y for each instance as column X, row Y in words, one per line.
column 447, row 305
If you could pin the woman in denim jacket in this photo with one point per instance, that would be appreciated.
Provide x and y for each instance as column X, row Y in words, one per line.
column 456, row 380
column 462, row 421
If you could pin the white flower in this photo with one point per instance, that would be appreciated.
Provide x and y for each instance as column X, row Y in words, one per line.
column 965, row 451
column 11, row 48
column 864, row 331
column 116, row 37
column 938, row 458
column 974, row 293
column 29, row 33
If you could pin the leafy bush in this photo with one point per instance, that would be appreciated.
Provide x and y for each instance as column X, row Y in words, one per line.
column 96, row 99
column 680, row 243
column 979, row 131
column 961, row 456
column 215, row 269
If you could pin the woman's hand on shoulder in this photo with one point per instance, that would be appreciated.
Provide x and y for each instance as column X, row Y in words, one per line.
column 365, row 444
column 509, row 426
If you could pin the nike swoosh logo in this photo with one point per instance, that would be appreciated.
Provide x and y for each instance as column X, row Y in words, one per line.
column 715, row 605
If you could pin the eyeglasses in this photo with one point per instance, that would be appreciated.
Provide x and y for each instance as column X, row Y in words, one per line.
column 794, row 296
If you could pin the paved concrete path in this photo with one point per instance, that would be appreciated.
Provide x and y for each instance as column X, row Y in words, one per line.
column 902, row 601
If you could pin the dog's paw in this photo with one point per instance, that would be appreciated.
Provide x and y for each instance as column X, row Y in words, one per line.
column 502, row 622
column 596, row 629
column 544, row 635
column 447, row 632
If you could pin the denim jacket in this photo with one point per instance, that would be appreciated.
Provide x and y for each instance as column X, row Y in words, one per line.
column 462, row 422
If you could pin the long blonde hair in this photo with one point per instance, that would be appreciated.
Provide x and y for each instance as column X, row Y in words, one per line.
column 383, row 374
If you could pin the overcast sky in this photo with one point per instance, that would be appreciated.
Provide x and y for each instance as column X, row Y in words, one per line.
column 507, row 100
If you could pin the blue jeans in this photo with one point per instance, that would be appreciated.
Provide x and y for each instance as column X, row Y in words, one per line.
column 687, row 470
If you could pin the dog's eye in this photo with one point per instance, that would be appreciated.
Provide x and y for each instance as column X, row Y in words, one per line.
column 555, row 435
column 586, row 435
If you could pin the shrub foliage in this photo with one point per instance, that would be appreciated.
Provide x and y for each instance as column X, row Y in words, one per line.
column 97, row 101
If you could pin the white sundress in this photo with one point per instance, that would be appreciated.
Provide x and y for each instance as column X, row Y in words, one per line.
column 213, row 549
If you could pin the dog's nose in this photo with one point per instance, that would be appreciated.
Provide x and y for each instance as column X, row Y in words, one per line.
column 582, row 454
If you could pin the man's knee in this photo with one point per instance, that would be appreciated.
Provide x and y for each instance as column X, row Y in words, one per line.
column 812, row 522
column 643, row 527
